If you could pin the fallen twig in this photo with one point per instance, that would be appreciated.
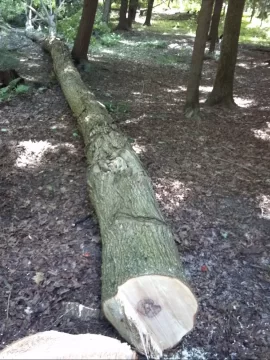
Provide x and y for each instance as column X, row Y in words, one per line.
column 233, row 163
column 8, row 304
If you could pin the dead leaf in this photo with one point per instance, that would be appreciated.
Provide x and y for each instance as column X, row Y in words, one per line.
column 38, row 278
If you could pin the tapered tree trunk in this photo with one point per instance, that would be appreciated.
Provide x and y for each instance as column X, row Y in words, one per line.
column 123, row 22
column 82, row 41
column 149, row 13
column 133, row 5
column 192, row 98
column 144, row 290
column 223, row 86
column 213, row 34
column 106, row 11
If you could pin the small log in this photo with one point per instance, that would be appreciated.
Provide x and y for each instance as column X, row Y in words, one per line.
column 57, row 345
column 144, row 291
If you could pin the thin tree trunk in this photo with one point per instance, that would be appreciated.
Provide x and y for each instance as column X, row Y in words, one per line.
column 133, row 5
column 123, row 23
column 149, row 13
column 192, row 98
column 213, row 34
column 223, row 86
column 254, row 3
column 82, row 41
column 106, row 11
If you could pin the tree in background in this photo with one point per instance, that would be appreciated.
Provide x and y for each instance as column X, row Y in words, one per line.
column 106, row 11
column 223, row 86
column 132, row 9
column 192, row 98
column 213, row 33
column 82, row 40
column 123, row 22
column 149, row 13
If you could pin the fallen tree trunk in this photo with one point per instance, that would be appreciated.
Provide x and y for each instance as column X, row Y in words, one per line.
column 144, row 293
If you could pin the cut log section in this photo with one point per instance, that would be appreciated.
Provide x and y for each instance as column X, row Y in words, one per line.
column 57, row 345
column 152, row 312
column 144, row 292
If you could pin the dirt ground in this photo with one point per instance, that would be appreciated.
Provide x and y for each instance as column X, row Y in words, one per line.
column 211, row 179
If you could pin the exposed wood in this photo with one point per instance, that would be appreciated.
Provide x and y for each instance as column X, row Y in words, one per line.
column 160, row 308
column 57, row 345
column 144, row 292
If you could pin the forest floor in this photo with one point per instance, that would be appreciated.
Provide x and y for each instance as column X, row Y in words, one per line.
column 211, row 178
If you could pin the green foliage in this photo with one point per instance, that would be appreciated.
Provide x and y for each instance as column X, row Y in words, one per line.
column 185, row 27
column 21, row 89
column 68, row 27
column 110, row 39
column 10, row 9
column 12, row 90
column 117, row 107
column 252, row 32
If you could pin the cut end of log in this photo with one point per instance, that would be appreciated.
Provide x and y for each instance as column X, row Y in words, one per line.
column 57, row 345
column 152, row 312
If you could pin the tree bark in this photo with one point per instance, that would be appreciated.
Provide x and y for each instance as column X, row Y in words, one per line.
column 144, row 291
column 192, row 97
column 223, row 86
column 149, row 13
column 123, row 22
column 82, row 41
column 106, row 11
column 133, row 5
column 213, row 34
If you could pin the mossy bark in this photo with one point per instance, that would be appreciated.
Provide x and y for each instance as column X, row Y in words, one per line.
column 136, row 241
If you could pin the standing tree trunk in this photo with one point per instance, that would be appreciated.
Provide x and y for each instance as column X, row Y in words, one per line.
column 254, row 4
column 106, row 11
column 223, row 86
column 149, row 13
column 123, row 22
column 192, row 99
column 213, row 34
column 133, row 5
column 82, row 41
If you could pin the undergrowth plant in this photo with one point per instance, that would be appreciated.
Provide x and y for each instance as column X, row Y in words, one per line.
column 12, row 90
column 117, row 107
column 68, row 27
